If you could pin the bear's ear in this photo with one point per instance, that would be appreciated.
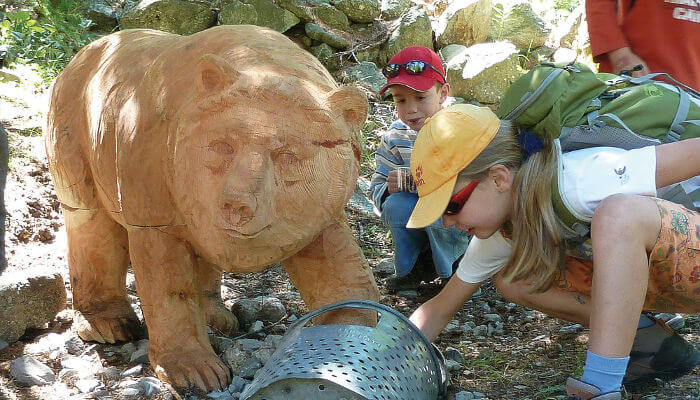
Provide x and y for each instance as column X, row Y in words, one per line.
column 350, row 104
column 213, row 73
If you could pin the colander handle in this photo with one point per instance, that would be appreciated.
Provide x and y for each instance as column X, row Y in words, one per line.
column 438, row 360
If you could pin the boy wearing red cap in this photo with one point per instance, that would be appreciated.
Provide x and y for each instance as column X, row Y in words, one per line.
column 416, row 80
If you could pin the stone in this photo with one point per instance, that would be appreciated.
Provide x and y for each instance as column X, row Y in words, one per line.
column 87, row 385
column 392, row 9
column 326, row 55
column 102, row 15
column 303, row 9
column 273, row 16
column 384, row 267
column 235, row 12
column 451, row 353
column 492, row 317
column 133, row 371
column 452, row 365
column 362, row 11
column 413, row 29
column 480, row 331
column 174, row 16
column 74, row 345
column 570, row 329
column 317, row 32
column 185, row 200
column 331, row 16
column 369, row 75
column 482, row 72
column 237, row 385
column 464, row 22
column 359, row 202
column 573, row 31
column 140, row 355
column 26, row 370
column 150, row 385
column 29, row 299
column 464, row 395
column 271, row 310
column 519, row 25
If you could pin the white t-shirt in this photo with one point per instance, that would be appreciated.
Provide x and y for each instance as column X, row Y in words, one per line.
column 587, row 177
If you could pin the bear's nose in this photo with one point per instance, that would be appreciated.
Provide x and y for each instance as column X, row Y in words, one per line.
column 239, row 210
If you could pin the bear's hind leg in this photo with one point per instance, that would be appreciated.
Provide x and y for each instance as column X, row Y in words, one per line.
column 218, row 316
column 98, row 258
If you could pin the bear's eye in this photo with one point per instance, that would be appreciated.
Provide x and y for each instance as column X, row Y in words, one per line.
column 222, row 148
column 286, row 157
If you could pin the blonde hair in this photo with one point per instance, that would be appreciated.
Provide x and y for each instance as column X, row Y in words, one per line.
column 537, row 253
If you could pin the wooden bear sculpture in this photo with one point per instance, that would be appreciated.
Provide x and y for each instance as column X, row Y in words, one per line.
column 227, row 150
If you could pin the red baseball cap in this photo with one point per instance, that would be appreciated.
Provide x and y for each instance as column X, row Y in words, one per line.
column 420, row 82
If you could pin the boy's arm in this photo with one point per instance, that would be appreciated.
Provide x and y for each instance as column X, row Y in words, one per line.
column 388, row 157
column 436, row 313
column 678, row 161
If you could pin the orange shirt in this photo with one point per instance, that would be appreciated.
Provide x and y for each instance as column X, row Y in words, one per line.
column 664, row 33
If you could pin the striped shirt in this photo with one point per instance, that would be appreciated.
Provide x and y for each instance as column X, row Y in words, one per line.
column 394, row 151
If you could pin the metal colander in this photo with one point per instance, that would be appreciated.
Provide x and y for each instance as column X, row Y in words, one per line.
column 392, row 360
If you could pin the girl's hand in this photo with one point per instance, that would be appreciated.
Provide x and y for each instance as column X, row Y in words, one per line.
column 437, row 312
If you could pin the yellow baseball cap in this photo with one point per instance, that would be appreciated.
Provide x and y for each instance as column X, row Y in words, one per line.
column 447, row 143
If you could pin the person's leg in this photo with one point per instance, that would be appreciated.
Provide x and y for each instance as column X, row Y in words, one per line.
column 447, row 245
column 556, row 302
column 396, row 211
column 623, row 229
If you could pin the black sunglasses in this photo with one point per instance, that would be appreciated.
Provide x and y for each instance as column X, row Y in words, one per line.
column 415, row 67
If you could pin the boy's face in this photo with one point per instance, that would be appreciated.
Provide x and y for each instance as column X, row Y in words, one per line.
column 415, row 107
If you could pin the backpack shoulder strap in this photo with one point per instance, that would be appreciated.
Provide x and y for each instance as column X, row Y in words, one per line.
column 575, row 225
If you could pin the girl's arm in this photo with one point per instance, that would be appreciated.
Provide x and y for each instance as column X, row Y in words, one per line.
column 437, row 312
column 678, row 161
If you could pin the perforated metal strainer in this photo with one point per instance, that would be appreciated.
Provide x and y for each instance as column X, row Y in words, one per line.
column 392, row 360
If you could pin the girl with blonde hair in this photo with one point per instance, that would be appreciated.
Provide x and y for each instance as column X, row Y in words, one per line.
column 482, row 175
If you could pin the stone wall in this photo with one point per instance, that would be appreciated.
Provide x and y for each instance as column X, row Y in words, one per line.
column 485, row 44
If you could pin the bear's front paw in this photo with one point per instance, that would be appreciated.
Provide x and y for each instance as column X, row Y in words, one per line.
column 108, row 322
column 202, row 369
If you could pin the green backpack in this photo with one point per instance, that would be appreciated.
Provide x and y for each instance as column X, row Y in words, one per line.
column 576, row 109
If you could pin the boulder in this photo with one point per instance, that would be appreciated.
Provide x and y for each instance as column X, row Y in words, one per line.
column 392, row 9
column 519, row 25
column 331, row 16
column 301, row 8
column 327, row 56
column 412, row 30
column 27, row 371
column 272, row 16
column 102, row 15
column 368, row 75
column 573, row 32
column 28, row 299
column 319, row 33
column 175, row 16
column 236, row 13
column 464, row 22
column 481, row 72
column 362, row 11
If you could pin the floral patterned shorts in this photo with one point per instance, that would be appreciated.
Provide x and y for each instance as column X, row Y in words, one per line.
column 674, row 264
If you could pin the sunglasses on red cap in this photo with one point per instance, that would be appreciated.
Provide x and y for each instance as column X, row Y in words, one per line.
column 414, row 67
column 457, row 201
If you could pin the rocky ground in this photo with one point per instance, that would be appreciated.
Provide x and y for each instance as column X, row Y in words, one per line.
column 495, row 349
